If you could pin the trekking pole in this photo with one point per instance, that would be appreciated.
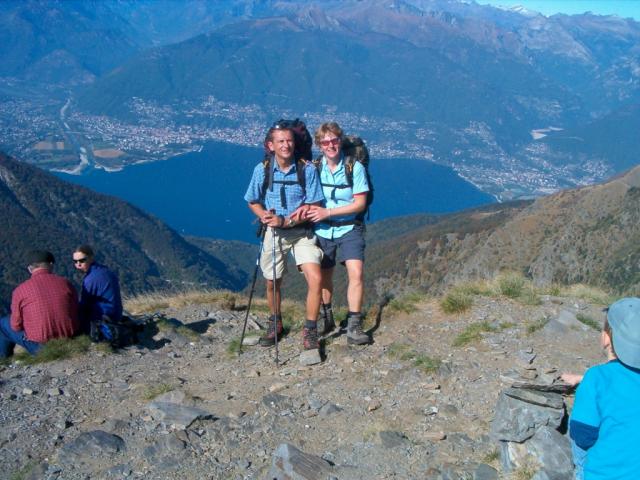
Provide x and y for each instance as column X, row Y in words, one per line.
column 260, row 232
column 275, row 300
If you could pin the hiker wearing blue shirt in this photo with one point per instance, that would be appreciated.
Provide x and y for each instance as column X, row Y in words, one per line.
column 100, row 294
column 605, row 421
column 281, row 203
column 340, row 229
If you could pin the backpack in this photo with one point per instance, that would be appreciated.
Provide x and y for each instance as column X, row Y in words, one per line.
column 117, row 334
column 354, row 150
column 302, row 154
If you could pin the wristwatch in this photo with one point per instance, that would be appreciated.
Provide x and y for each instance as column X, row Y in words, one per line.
column 291, row 223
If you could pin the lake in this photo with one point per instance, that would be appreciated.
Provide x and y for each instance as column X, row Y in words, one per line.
column 201, row 193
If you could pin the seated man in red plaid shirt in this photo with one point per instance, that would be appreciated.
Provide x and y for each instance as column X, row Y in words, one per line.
column 42, row 308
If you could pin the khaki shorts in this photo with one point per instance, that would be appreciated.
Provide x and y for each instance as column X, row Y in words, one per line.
column 303, row 249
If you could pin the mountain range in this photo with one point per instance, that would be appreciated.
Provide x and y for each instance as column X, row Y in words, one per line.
column 516, row 102
column 588, row 235
column 39, row 211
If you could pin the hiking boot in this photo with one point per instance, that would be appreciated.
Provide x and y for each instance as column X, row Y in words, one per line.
column 355, row 335
column 326, row 323
column 310, row 339
column 269, row 338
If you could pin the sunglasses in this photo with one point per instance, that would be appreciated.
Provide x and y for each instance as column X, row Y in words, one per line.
column 80, row 260
column 333, row 141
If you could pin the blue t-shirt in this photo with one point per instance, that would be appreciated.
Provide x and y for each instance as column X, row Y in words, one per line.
column 337, row 197
column 294, row 194
column 608, row 399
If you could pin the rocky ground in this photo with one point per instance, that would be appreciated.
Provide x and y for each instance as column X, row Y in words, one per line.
column 408, row 406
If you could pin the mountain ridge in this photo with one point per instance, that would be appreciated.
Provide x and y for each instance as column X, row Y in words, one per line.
column 588, row 235
column 37, row 210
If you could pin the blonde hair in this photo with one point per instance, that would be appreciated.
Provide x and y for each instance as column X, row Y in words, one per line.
column 327, row 127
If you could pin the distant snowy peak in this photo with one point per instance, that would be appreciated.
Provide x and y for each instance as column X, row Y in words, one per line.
column 519, row 9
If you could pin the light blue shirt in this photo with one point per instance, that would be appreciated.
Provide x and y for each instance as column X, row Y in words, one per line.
column 338, row 197
column 608, row 398
column 294, row 194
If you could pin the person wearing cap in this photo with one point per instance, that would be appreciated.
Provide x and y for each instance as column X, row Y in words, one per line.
column 605, row 421
column 100, row 294
column 42, row 308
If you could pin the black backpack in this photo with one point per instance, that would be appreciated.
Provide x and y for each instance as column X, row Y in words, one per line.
column 354, row 150
column 302, row 154
column 116, row 333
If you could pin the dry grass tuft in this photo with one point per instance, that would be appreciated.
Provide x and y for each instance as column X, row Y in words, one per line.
column 152, row 302
column 406, row 303
column 588, row 293
column 457, row 300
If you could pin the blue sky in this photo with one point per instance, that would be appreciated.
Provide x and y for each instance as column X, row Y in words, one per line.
column 623, row 8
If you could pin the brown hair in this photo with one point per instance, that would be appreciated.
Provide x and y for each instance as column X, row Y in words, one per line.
column 86, row 249
column 327, row 127
column 277, row 128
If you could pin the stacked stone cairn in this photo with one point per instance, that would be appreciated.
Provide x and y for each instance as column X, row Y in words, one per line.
column 531, row 428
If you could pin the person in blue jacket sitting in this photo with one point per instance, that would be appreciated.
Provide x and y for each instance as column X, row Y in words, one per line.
column 100, row 294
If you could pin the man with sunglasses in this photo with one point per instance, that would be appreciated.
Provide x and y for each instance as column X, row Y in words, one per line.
column 100, row 293
column 282, row 209
column 42, row 308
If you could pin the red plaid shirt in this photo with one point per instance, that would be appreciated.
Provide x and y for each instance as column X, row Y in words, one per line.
column 45, row 307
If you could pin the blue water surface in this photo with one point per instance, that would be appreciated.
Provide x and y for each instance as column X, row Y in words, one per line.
column 201, row 193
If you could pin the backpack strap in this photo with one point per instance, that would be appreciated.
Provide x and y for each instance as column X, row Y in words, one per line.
column 348, row 169
column 318, row 164
column 268, row 182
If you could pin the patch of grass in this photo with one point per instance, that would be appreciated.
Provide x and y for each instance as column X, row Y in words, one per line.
column 473, row 333
column 165, row 324
column 405, row 303
column 479, row 287
column 154, row 391
column 506, row 325
column 293, row 317
column 105, row 348
column 534, row 326
column 404, row 352
column 152, row 302
column 510, row 284
column 491, row 457
column 257, row 307
column 233, row 347
column 169, row 325
column 427, row 364
column 456, row 300
column 56, row 349
column 555, row 290
column 529, row 296
column 24, row 471
column 526, row 471
column 398, row 350
column 590, row 294
column 588, row 321
column 188, row 333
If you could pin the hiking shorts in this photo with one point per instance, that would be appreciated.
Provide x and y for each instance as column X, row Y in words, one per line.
column 303, row 249
column 350, row 246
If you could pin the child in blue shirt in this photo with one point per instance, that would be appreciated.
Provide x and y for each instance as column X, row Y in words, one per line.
column 605, row 421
